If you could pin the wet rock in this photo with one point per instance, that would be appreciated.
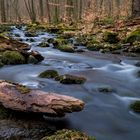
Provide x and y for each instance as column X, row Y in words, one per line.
column 32, row 60
column 10, row 44
column 17, row 35
column 36, row 101
column 43, row 45
column 49, row 74
column 70, row 79
column 37, row 55
column 50, row 40
column 30, row 40
column 30, row 34
column 137, row 64
column 69, row 135
column 15, row 129
column 135, row 106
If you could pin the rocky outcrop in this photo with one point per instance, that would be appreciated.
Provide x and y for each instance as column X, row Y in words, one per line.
column 20, row 98
column 12, row 45
column 14, row 52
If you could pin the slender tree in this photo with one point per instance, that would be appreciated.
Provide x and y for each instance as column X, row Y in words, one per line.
column 135, row 8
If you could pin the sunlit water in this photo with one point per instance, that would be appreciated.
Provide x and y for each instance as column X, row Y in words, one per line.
column 106, row 116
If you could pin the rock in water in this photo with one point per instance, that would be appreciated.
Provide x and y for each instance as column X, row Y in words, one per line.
column 20, row 98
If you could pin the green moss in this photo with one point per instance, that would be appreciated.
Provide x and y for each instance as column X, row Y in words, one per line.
column 12, row 58
column 111, row 37
column 135, row 106
column 49, row 74
column 70, row 79
column 66, row 48
column 43, row 44
column 69, row 135
column 23, row 89
column 133, row 36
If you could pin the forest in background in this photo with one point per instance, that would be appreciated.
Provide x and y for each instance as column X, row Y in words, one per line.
column 56, row 11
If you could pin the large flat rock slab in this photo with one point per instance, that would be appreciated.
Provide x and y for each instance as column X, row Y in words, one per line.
column 17, row 97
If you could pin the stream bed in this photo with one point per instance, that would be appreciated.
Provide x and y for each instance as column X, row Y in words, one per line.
column 106, row 116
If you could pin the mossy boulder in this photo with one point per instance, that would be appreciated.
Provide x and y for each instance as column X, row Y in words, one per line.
column 12, row 58
column 66, row 48
column 135, row 106
column 133, row 36
column 68, row 135
column 70, row 79
column 111, row 37
column 32, row 60
column 59, row 41
column 43, row 44
column 49, row 74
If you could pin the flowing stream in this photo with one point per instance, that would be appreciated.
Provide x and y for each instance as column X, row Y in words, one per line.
column 106, row 116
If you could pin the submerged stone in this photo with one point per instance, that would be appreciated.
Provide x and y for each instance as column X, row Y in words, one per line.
column 106, row 89
column 135, row 106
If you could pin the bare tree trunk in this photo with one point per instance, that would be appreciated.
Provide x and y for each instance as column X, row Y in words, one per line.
column 48, row 10
column 41, row 10
column 3, row 12
column 135, row 8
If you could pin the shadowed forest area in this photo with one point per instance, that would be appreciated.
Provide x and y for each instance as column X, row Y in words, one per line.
column 69, row 69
